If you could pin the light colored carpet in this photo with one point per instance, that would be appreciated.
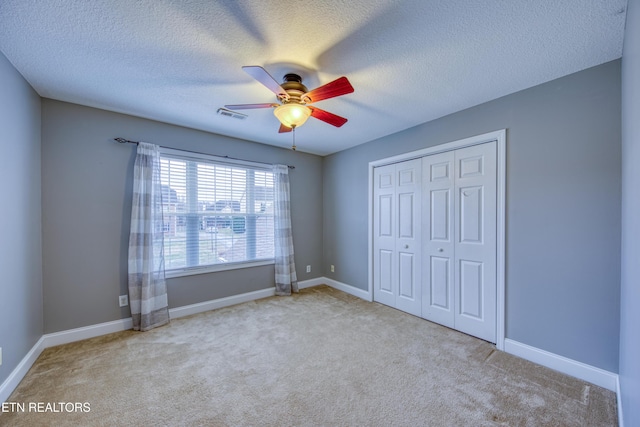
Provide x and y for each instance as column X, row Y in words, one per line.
column 319, row 358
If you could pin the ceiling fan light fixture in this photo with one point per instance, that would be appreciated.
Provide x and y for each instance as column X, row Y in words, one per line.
column 292, row 115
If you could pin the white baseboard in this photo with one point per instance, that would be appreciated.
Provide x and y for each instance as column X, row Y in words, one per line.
column 54, row 339
column 86, row 332
column 201, row 307
column 580, row 370
column 351, row 290
column 20, row 371
column 312, row 282
column 188, row 310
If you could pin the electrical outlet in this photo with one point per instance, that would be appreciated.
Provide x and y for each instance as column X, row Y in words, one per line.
column 308, row 269
column 333, row 268
column 123, row 300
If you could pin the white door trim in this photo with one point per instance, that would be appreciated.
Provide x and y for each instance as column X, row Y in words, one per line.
column 500, row 136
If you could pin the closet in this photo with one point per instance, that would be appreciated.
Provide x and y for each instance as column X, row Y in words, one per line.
column 434, row 238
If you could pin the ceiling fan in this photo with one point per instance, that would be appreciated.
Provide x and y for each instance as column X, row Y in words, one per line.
column 294, row 97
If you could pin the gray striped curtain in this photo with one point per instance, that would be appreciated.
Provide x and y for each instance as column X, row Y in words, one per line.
column 286, row 279
column 147, row 287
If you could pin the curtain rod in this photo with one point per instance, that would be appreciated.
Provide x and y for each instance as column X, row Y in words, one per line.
column 127, row 141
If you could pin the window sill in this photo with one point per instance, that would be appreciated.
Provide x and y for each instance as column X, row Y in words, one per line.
column 170, row 274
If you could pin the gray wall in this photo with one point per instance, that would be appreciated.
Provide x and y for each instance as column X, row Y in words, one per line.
column 20, row 242
column 563, row 209
column 86, row 206
column 629, row 311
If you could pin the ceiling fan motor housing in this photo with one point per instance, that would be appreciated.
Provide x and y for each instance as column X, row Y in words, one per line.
column 292, row 84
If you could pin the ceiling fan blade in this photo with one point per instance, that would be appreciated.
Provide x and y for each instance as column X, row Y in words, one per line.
column 332, row 89
column 250, row 106
column 327, row 117
column 284, row 129
column 261, row 75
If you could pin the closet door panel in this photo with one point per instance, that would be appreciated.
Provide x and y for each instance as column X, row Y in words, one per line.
column 408, row 248
column 471, row 214
column 440, row 292
column 438, row 243
column 397, row 228
column 385, row 271
column 475, row 241
column 471, row 289
column 384, row 235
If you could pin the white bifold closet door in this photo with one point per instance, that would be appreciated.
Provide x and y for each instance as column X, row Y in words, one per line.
column 397, row 236
column 459, row 255
column 434, row 238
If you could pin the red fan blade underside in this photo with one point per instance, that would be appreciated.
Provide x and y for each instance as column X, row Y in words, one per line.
column 249, row 106
column 284, row 129
column 332, row 89
column 327, row 117
column 261, row 75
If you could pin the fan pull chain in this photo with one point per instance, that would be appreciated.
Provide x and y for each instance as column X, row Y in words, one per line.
column 293, row 130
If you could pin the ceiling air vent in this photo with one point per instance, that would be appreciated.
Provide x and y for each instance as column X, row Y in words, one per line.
column 232, row 114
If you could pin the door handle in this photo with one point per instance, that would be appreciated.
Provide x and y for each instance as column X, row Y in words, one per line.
column 440, row 250
column 406, row 246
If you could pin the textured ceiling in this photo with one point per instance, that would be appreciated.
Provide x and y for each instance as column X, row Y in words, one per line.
column 409, row 61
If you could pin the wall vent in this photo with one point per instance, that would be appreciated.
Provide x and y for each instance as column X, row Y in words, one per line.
column 232, row 114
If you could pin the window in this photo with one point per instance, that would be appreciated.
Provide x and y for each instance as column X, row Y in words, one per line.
column 216, row 215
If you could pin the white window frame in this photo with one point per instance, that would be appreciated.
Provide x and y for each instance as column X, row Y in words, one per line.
column 212, row 268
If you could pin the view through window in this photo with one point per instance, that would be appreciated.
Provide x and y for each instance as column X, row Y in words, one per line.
column 215, row 213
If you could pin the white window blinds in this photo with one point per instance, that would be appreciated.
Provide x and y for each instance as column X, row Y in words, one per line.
column 215, row 213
